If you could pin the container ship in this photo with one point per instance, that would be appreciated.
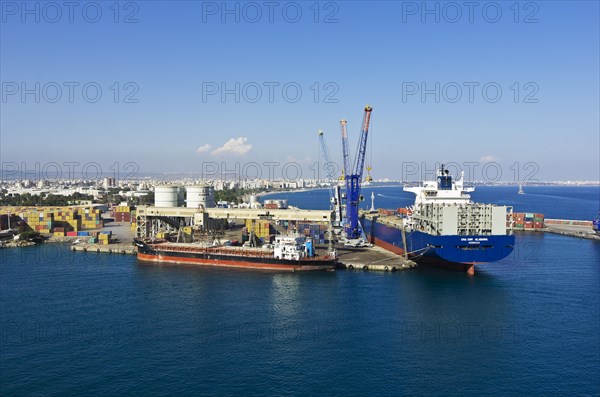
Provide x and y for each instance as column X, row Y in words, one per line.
column 288, row 253
column 444, row 227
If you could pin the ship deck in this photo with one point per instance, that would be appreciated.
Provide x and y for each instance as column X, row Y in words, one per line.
column 224, row 250
column 388, row 220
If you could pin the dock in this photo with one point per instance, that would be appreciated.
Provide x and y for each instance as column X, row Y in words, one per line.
column 127, row 249
column 372, row 258
column 572, row 228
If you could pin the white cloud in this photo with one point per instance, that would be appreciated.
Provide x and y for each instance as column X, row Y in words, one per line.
column 488, row 159
column 203, row 148
column 234, row 146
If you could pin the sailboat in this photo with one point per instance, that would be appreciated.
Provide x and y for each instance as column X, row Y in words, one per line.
column 521, row 189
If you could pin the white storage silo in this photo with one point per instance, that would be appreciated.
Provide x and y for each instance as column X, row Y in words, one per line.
column 200, row 195
column 166, row 196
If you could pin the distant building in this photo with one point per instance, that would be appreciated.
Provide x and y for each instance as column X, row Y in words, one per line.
column 109, row 182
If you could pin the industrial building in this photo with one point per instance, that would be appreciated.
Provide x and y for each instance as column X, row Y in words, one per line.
column 194, row 214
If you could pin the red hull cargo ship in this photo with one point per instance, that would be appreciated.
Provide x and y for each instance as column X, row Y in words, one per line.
column 289, row 253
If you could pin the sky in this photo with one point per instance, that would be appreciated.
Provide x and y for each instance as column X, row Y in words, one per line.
column 503, row 90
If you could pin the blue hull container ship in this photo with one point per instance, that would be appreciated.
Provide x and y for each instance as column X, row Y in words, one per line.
column 444, row 227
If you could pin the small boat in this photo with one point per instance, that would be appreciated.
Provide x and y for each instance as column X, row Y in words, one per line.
column 521, row 189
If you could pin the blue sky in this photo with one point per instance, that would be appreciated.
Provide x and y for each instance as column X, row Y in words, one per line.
column 373, row 53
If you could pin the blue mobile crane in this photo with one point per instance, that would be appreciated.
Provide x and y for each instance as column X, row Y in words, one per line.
column 353, row 177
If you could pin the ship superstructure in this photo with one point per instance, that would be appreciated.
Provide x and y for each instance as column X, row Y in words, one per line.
column 444, row 208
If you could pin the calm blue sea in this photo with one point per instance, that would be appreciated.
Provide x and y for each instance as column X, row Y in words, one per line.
column 75, row 324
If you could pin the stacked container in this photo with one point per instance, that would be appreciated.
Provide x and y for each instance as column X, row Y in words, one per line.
column 104, row 238
column 519, row 220
column 313, row 230
column 385, row 212
column 261, row 228
column 122, row 213
column 91, row 219
column 41, row 222
column 528, row 220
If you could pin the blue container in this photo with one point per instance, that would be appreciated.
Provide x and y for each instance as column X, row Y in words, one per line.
column 83, row 233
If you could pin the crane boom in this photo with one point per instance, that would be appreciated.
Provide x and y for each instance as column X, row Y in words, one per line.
column 352, row 227
column 362, row 145
column 330, row 170
column 346, row 157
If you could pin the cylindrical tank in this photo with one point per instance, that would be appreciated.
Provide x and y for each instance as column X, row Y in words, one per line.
column 165, row 196
column 200, row 195
column 253, row 199
column 180, row 196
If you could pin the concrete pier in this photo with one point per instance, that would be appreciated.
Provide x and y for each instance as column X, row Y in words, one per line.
column 128, row 249
column 573, row 228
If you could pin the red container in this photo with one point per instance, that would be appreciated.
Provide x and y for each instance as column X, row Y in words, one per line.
column 529, row 224
column 72, row 234
column 537, row 225
column 271, row 206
